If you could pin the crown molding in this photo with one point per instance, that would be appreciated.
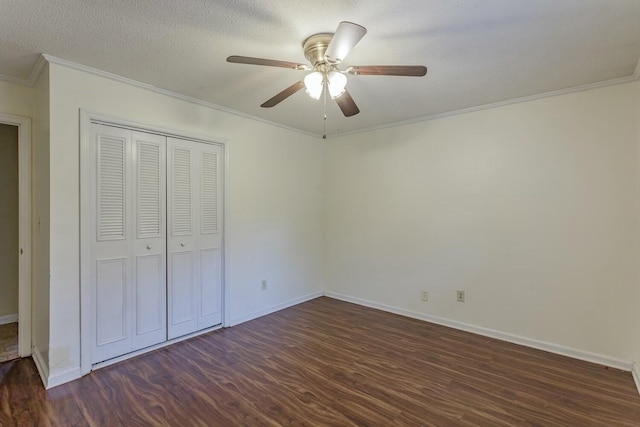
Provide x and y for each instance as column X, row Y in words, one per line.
column 140, row 85
column 14, row 80
column 582, row 88
column 37, row 70
column 44, row 58
column 33, row 77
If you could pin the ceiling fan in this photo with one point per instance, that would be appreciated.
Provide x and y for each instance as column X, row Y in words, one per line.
column 325, row 52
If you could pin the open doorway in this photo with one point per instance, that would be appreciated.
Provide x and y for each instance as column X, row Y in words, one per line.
column 9, row 243
column 15, row 241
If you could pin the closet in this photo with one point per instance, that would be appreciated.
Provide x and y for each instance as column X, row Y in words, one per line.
column 155, row 254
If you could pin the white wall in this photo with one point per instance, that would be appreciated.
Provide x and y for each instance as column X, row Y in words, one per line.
column 529, row 208
column 15, row 99
column 8, row 220
column 275, row 211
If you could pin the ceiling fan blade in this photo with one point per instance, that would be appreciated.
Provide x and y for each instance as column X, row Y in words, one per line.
column 283, row 95
column 347, row 104
column 388, row 70
column 345, row 38
column 267, row 62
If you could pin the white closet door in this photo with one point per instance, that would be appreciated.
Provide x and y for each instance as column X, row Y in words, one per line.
column 195, row 238
column 156, row 247
column 149, row 300
column 110, row 248
column 182, row 272
column 210, row 236
column 129, row 246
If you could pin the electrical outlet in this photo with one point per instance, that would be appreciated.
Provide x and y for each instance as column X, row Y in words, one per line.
column 264, row 285
column 425, row 296
column 460, row 296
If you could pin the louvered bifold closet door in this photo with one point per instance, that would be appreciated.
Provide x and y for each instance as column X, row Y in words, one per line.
column 111, row 286
column 181, row 248
column 194, row 242
column 149, row 299
column 128, row 250
column 210, row 236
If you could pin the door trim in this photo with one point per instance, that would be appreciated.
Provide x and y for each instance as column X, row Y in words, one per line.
column 87, row 118
column 24, row 230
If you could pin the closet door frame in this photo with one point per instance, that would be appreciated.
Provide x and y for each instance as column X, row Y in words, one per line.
column 87, row 118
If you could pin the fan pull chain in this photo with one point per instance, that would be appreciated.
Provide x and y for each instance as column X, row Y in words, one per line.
column 324, row 110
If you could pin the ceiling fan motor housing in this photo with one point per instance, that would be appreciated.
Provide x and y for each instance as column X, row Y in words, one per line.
column 315, row 47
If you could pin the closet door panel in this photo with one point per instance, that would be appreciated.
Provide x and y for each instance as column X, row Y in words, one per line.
column 149, row 243
column 182, row 290
column 110, row 246
column 112, row 307
column 210, row 236
column 150, row 301
column 112, row 155
column 210, row 313
column 183, row 220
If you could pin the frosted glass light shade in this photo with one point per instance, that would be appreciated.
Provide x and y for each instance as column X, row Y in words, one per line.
column 337, row 83
column 313, row 83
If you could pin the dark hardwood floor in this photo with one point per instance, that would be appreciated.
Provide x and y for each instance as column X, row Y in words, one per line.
column 330, row 363
column 8, row 342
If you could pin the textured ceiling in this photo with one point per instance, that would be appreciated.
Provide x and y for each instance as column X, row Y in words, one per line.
column 478, row 51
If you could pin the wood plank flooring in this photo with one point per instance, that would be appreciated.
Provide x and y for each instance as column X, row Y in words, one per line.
column 330, row 363
column 8, row 341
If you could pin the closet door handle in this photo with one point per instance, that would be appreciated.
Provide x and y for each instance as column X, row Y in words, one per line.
column 148, row 246
column 182, row 244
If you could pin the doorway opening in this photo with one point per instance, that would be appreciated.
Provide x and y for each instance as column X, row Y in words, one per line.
column 15, row 244
column 9, row 243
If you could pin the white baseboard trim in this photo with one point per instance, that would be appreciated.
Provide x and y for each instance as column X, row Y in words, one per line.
column 636, row 374
column 50, row 380
column 241, row 319
column 8, row 318
column 491, row 333
column 42, row 367
column 63, row 376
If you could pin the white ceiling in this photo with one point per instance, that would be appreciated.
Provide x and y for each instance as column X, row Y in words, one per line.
column 478, row 52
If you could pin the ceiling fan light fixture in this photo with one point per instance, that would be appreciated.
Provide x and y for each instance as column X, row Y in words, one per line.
column 325, row 51
column 313, row 83
column 337, row 84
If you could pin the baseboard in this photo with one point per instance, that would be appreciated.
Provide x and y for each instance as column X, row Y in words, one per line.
column 8, row 318
column 43, row 368
column 491, row 333
column 636, row 374
column 63, row 376
column 241, row 319
column 57, row 378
